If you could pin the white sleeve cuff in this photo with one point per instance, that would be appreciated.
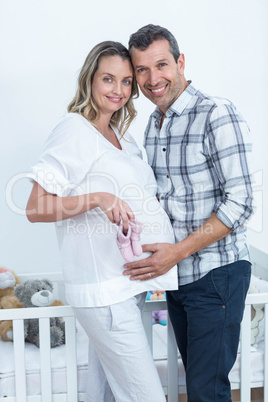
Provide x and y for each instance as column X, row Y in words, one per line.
column 50, row 179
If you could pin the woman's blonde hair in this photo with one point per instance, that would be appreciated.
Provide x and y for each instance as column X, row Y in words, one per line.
column 83, row 102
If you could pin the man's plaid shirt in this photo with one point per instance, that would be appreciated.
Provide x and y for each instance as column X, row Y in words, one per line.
column 201, row 160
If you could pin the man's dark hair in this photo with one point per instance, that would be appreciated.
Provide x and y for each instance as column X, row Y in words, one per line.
column 148, row 34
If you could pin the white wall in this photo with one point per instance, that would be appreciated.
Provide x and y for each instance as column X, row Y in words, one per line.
column 43, row 45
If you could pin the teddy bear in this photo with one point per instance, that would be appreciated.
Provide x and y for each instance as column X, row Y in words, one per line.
column 158, row 317
column 8, row 280
column 38, row 293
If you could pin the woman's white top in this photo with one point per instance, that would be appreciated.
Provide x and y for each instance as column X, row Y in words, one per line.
column 77, row 160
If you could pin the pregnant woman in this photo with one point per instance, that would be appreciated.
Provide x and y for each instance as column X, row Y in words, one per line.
column 92, row 182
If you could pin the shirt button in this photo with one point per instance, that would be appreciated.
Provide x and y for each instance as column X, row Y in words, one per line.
column 162, row 198
column 168, row 176
column 164, row 149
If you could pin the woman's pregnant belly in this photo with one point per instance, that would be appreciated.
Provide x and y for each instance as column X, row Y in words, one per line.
column 156, row 228
column 93, row 237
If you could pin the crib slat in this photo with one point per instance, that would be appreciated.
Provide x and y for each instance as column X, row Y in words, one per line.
column 266, row 354
column 147, row 323
column 245, row 393
column 44, row 334
column 19, row 356
column 71, row 358
column 172, row 354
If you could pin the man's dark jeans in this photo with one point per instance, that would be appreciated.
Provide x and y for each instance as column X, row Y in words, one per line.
column 206, row 317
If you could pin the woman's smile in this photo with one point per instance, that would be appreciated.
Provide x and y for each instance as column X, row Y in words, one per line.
column 112, row 84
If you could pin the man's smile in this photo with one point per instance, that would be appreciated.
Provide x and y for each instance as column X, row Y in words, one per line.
column 158, row 91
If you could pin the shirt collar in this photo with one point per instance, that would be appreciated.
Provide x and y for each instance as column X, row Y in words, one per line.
column 179, row 105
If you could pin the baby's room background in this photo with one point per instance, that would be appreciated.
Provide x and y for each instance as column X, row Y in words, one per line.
column 42, row 47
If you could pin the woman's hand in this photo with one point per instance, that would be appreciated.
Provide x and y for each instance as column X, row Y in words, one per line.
column 116, row 209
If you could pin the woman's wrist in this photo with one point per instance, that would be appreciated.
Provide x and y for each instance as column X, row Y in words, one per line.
column 93, row 200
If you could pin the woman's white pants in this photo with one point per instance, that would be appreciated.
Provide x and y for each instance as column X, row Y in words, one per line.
column 120, row 366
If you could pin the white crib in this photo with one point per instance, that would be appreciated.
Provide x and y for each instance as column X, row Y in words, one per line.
column 169, row 365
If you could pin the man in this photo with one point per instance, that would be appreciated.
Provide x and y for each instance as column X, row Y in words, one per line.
column 199, row 148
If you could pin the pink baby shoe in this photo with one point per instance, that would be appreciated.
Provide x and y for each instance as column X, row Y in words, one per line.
column 124, row 244
column 136, row 229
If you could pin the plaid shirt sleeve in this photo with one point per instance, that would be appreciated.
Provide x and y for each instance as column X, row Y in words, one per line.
column 229, row 145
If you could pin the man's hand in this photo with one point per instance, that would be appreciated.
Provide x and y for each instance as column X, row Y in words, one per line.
column 160, row 262
column 166, row 255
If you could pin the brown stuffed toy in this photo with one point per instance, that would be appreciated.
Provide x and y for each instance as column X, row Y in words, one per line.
column 8, row 281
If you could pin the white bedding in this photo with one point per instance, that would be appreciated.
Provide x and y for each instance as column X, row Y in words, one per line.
column 32, row 363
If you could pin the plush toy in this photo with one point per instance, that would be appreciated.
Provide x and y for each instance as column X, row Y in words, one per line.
column 158, row 317
column 38, row 293
column 8, row 280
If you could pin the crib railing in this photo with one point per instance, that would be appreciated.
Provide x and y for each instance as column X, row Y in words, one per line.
column 245, row 381
column 172, row 390
column 43, row 314
column 172, row 353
